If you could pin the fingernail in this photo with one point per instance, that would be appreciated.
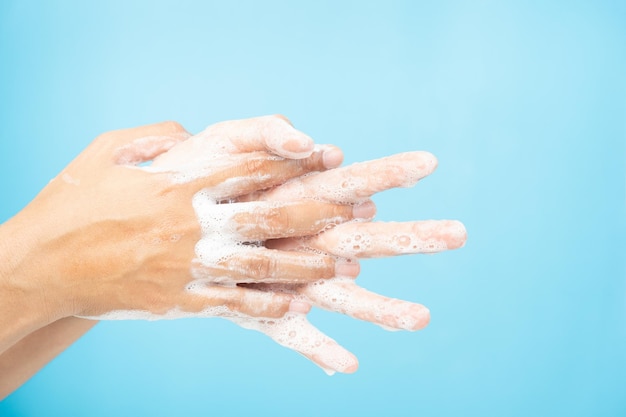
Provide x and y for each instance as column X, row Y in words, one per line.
column 297, row 147
column 347, row 268
column 365, row 210
column 332, row 157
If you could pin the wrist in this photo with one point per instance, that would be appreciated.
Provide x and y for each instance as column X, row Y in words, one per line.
column 27, row 303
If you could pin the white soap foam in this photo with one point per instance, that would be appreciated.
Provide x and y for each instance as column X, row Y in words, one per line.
column 357, row 182
column 341, row 294
column 295, row 332
column 221, row 240
column 292, row 331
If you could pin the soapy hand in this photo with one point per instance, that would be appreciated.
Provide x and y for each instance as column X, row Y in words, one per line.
column 241, row 221
column 234, row 266
column 122, row 240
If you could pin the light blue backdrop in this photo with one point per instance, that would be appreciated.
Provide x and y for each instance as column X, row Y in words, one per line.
column 524, row 104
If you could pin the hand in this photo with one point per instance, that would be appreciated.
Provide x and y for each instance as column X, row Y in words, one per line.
column 111, row 239
column 353, row 184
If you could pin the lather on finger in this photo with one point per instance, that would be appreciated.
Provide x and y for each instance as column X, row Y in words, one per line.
column 381, row 239
column 266, row 133
column 272, row 134
column 205, row 299
column 343, row 295
column 295, row 332
column 250, row 264
column 233, row 175
column 355, row 182
column 264, row 220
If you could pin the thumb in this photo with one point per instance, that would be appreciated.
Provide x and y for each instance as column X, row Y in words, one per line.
column 142, row 144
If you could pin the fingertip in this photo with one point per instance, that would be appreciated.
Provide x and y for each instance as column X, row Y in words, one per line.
column 352, row 366
column 340, row 361
column 423, row 319
column 411, row 317
column 430, row 161
column 366, row 210
column 283, row 118
column 173, row 127
column 296, row 146
column 414, row 166
column 332, row 157
column 417, row 318
column 286, row 140
column 457, row 234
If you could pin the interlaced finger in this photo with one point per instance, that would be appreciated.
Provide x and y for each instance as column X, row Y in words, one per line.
column 295, row 332
column 381, row 239
column 249, row 264
column 358, row 181
column 266, row 133
column 233, row 175
column 344, row 296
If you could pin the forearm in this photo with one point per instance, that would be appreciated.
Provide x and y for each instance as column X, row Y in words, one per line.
column 25, row 300
column 33, row 352
column 32, row 330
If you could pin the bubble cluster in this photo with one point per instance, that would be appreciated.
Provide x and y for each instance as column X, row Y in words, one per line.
column 343, row 295
column 294, row 331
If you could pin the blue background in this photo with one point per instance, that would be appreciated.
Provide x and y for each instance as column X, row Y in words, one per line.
column 524, row 104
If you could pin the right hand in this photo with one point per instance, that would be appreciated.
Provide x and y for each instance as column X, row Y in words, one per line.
column 110, row 239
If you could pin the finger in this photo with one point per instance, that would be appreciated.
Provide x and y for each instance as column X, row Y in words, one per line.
column 251, row 264
column 295, row 332
column 146, row 148
column 204, row 299
column 343, row 295
column 115, row 147
column 244, row 174
column 142, row 143
column 381, row 239
column 361, row 180
column 266, row 133
column 262, row 221
column 230, row 176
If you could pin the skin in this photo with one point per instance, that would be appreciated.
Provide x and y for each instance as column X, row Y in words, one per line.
column 355, row 184
column 126, row 239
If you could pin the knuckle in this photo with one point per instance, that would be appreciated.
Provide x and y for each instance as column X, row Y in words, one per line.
column 171, row 126
column 263, row 267
column 109, row 137
column 339, row 211
column 278, row 218
column 254, row 166
column 281, row 118
column 315, row 162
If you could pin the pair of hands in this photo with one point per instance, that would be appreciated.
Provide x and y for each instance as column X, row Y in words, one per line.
column 248, row 220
